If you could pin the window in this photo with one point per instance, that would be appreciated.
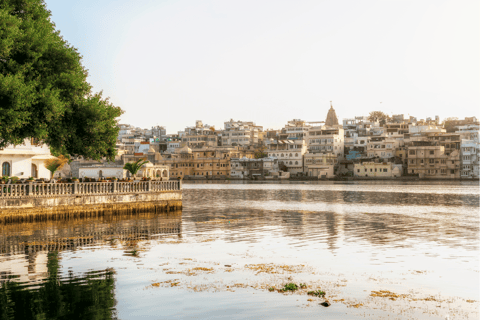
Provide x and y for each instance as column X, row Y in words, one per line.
column 6, row 171
column 432, row 152
column 431, row 160
column 385, row 170
column 411, row 152
column 358, row 170
column 452, row 171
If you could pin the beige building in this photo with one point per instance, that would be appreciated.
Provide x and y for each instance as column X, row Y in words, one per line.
column 431, row 161
column 321, row 165
column 241, row 133
column 200, row 136
column 382, row 147
column 377, row 170
column 202, row 162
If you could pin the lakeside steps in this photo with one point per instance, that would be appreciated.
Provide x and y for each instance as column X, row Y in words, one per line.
column 52, row 201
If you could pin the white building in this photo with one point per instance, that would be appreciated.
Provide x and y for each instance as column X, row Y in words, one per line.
column 289, row 153
column 470, row 150
column 25, row 160
column 325, row 139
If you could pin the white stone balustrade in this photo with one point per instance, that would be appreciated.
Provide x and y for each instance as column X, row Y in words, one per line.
column 85, row 188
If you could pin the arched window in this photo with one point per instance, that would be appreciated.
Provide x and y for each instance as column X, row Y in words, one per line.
column 6, row 171
column 290, row 162
column 34, row 171
column 290, row 155
column 282, row 155
column 296, row 162
column 296, row 154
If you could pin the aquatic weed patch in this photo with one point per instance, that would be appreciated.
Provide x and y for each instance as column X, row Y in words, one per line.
column 290, row 287
column 388, row 294
column 271, row 268
column 317, row 293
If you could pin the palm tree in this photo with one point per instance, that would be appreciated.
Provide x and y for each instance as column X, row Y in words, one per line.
column 133, row 167
column 55, row 164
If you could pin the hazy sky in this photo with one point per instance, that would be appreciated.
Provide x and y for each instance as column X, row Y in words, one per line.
column 173, row 62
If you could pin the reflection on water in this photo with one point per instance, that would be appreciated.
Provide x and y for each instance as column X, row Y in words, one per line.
column 388, row 236
column 90, row 296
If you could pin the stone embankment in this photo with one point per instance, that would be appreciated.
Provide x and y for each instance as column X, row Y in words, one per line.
column 51, row 201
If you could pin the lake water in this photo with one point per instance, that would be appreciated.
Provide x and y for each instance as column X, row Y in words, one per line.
column 385, row 250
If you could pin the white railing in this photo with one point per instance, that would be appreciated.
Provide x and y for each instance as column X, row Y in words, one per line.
column 85, row 188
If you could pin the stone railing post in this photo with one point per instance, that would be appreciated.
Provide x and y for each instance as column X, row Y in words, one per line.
column 30, row 189
column 75, row 187
column 114, row 189
column 149, row 185
column 179, row 184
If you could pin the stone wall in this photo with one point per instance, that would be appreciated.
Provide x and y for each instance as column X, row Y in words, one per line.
column 61, row 206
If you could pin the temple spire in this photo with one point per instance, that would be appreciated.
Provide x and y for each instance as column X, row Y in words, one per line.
column 331, row 117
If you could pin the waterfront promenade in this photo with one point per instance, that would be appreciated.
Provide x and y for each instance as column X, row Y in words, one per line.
column 40, row 201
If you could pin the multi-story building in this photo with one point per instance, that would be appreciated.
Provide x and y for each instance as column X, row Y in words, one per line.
column 382, row 147
column 289, row 154
column 470, row 150
column 158, row 132
column 240, row 133
column 200, row 136
column 203, row 162
column 321, row 165
column 430, row 160
column 289, row 145
column 326, row 140
column 245, row 168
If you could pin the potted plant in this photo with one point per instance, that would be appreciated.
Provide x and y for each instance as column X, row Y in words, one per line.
column 31, row 179
column 74, row 179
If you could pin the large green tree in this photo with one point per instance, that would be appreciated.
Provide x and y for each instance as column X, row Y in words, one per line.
column 43, row 89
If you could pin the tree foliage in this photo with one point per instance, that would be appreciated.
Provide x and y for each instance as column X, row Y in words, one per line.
column 379, row 116
column 43, row 89
column 133, row 167
column 449, row 124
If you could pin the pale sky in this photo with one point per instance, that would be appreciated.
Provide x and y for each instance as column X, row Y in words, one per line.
column 170, row 63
